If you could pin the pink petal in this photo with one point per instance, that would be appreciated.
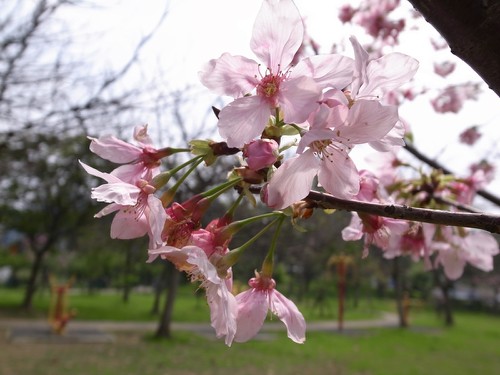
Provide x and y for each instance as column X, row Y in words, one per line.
column 452, row 262
column 120, row 193
column 156, row 218
column 360, row 61
column 230, row 75
column 326, row 70
column 354, row 231
column 298, row 97
column 388, row 73
column 289, row 314
column 131, row 173
column 367, row 121
column 223, row 311
column 292, row 180
column 115, row 150
column 110, row 208
column 94, row 172
column 243, row 120
column 278, row 32
column 253, row 305
column 395, row 138
column 338, row 175
column 173, row 254
column 126, row 225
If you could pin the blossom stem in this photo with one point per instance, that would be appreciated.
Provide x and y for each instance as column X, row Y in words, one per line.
column 232, row 257
column 234, row 206
column 168, row 196
column 235, row 226
column 162, row 179
column 268, row 264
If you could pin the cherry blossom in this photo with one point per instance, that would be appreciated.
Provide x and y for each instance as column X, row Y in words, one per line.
column 141, row 161
column 324, row 151
column 277, row 35
column 475, row 247
column 194, row 261
column 254, row 303
column 138, row 211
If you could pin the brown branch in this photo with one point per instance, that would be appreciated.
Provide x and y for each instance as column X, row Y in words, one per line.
column 488, row 222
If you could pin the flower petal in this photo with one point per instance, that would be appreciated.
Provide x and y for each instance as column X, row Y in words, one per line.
column 120, row 192
column 298, row 97
column 126, row 225
column 156, row 218
column 338, row 175
column 388, row 73
column 289, row 314
column 253, row 305
column 326, row 70
column 368, row 121
column 243, row 120
column 230, row 75
column 113, row 149
column 292, row 180
column 278, row 32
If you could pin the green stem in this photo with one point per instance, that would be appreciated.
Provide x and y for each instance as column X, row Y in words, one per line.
column 168, row 196
column 222, row 188
column 235, row 226
column 234, row 206
column 162, row 179
column 232, row 257
column 268, row 264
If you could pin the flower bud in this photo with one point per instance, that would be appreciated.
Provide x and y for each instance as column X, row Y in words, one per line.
column 261, row 153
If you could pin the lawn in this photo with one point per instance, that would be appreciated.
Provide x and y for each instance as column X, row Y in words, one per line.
column 190, row 306
column 471, row 347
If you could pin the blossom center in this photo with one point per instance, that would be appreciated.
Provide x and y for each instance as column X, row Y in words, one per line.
column 320, row 149
column 269, row 85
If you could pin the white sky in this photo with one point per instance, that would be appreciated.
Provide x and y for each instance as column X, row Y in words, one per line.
column 196, row 31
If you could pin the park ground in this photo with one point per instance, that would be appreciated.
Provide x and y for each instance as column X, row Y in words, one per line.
column 426, row 347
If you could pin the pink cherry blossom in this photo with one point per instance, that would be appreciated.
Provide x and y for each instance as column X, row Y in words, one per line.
column 476, row 248
column 443, row 69
column 141, row 161
column 452, row 98
column 194, row 261
column 138, row 211
column 470, row 136
column 377, row 230
column 324, row 151
column 254, row 304
column 277, row 35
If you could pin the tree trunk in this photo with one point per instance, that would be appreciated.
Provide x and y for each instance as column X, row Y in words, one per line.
column 126, row 274
column 444, row 287
column 399, row 292
column 29, row 292
column 158, row 288
column 163, row 330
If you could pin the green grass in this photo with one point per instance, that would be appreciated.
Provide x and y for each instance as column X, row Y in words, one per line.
column 471, row 347
column 189, row 306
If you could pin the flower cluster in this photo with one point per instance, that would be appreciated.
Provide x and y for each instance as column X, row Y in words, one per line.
column 295, row 127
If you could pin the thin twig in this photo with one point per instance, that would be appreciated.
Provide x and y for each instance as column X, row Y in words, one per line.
column 434, row 164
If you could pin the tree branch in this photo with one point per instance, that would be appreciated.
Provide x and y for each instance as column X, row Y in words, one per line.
column 488, row 222
column 471, row 29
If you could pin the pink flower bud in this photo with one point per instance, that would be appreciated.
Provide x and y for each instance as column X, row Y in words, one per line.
column 261, row 153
